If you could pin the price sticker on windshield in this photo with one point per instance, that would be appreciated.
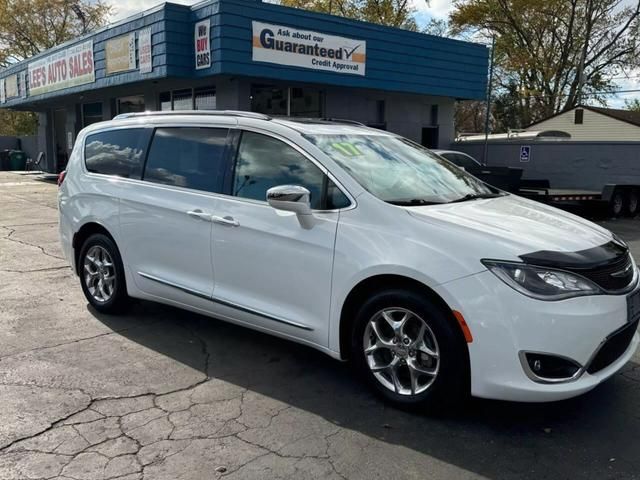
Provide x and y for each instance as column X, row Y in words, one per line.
column 347, row 149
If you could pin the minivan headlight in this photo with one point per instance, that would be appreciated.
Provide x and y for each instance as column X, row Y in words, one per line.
column 540, row 282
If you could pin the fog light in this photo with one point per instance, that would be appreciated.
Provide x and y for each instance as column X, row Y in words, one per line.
column 537, row 366
column 550, row 367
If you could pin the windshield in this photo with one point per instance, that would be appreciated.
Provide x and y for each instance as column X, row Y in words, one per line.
column 399, row 171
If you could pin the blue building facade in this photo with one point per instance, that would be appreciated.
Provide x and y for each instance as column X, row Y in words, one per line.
column 247, row 55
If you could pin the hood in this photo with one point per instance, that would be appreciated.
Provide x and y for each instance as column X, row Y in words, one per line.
column 521, row 225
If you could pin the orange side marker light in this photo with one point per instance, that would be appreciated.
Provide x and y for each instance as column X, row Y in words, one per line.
column 463, row 325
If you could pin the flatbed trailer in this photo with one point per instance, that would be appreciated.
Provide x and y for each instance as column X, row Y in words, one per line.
column 592, row 175
column 617, row 200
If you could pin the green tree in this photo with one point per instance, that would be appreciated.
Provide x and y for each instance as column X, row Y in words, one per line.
column 553, row 54
column 393, row 13
column 633, row 105
column 28, row 27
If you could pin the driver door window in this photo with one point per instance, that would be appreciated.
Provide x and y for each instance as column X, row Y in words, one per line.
column 264, row 162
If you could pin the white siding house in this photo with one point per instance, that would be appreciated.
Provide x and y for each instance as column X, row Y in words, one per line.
column 586, row 123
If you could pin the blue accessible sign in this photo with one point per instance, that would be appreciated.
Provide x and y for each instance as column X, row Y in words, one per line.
column 525, row 153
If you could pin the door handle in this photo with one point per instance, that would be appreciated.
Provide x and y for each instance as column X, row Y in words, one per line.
column 229, row 221
column 200, row 215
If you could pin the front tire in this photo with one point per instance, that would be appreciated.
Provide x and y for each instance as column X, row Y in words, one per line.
column 617, row 204
column 409, row 350
column 102, row 275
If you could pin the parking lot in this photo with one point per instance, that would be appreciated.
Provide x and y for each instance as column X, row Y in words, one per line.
column 166, row 394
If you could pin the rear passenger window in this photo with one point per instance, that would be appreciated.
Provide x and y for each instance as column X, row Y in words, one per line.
column 117, row 152
column 187, row 157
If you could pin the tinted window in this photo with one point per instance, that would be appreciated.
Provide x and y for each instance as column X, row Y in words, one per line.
column 117, row 152
column 187, row 157
column 462, row 160
column 264, row 162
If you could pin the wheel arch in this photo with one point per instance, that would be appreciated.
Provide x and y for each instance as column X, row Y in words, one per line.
column 81, row 236
column 376, row 283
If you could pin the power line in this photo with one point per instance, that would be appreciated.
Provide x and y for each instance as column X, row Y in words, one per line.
column 585, row 94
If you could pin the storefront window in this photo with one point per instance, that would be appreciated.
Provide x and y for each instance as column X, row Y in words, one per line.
column 269, row 100
column 131, row 104
column 165, row 101
column 91, row 113
column 183, row 99
column 294, row 101
column 306, row 102
column 205, row 98
column 188, row 99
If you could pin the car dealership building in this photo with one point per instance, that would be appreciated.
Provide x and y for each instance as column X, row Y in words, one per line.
column 247, row 55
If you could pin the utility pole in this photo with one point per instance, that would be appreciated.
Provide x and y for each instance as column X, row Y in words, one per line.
column 488, row 108
column 585, row 49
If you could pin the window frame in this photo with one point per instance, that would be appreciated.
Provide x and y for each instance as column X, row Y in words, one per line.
column 219, row 184
column 233, row 160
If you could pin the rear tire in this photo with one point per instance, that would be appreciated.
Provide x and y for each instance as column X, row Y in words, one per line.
column 633, row 200
column 102, row 274
column 409, row 350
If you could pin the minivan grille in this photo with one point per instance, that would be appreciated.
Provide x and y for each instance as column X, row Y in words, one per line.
column 614, row 276
column 613, row 348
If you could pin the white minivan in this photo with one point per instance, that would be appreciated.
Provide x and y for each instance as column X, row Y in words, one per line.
column 356, row 242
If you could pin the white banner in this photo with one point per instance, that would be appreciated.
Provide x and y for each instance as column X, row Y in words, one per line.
column 3, row 98
column 202, row 44
column 11, row 86
column 23, row 84
column 145, row 59
column 304, row 48
column 120, row 53
column 64, row 69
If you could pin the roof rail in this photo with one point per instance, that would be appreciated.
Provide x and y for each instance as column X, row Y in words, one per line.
column 318, row 119
column 230, row 113
column 344, row 120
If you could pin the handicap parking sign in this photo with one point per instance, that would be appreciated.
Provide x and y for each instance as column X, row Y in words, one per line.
column 525, row 153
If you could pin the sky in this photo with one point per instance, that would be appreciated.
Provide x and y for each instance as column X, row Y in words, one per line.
column 438, row 9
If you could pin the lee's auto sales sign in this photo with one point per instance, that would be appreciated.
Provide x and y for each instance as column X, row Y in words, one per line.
column 203, row 45
column 67, row 68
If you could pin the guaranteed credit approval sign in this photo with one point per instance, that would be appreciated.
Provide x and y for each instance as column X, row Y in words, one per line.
column 66, row 68
column 304, row 48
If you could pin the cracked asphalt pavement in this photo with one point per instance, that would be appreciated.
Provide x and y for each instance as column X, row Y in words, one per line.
column 166, row 394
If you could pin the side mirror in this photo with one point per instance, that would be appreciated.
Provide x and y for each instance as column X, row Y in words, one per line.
column 292, row 198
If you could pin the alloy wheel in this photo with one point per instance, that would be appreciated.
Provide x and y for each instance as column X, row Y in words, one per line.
column 99, row 274
column 401, row 351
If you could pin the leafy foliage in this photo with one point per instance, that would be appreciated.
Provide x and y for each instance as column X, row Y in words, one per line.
column 393, row 13
column 633, row 105
column 553, row 54
column 28, row 27
column 16, row 124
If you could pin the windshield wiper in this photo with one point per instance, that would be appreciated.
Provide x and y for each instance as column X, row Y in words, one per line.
column 413, row 202
column 477, row 196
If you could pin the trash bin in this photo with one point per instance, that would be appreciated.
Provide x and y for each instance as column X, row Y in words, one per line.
column 4, row 160
column 17, row 160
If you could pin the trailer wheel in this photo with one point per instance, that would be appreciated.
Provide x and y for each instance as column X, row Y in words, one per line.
column 633, row 198
column 616, row 204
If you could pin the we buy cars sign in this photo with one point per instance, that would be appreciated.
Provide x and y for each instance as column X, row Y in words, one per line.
column 66, row 68
column 202, row 44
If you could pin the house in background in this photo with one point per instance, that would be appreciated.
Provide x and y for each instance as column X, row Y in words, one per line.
column 586, row 123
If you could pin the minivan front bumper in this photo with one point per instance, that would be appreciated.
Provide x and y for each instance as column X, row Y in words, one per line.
column 505, row 323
